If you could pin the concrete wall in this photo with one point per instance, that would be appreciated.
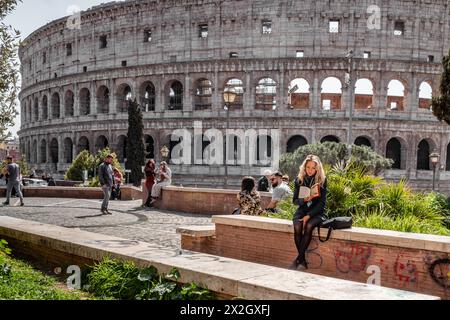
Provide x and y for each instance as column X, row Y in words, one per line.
column 413, row 262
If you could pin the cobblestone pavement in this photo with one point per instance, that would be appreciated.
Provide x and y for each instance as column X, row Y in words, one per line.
column 128, row 219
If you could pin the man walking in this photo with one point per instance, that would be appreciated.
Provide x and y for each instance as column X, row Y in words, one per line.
column 12, row 171
column 106, row 178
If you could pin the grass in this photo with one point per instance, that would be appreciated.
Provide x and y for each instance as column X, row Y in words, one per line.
column 20, row 281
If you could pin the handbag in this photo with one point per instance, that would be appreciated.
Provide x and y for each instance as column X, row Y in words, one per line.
column 335, row 224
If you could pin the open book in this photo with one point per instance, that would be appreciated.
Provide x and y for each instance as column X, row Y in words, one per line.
column 306, row 192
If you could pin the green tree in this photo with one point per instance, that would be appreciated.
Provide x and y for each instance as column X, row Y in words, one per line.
column 84, row 161
column 9, row 70
column 135, row 145
column 332, row 153
column 441, row 104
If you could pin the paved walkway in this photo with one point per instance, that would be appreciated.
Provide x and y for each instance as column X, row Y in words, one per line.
column 128, row 220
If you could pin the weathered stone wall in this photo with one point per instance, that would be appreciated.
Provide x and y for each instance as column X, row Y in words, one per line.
column 55, row 126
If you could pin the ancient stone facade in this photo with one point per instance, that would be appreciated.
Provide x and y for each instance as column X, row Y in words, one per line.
column 177, row 57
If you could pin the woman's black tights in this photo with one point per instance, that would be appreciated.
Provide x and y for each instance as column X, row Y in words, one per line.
column 303, row 237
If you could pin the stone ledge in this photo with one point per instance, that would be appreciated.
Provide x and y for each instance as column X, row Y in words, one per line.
column 223, row 275
column 197, row 231
column 209, row 190
column 375, row 236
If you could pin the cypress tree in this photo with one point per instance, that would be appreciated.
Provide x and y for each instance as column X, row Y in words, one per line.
column 135, row 143
column 441, row 104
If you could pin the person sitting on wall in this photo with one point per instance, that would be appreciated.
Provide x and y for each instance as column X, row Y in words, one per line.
column 285, row 179
column 150, row 178
column 248, row 198
column 264, row 182
column 165, row 179
column 310, row 195
column 280, row 191
column 51, row 182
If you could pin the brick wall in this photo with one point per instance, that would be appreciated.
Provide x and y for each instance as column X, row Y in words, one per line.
column 399, row 267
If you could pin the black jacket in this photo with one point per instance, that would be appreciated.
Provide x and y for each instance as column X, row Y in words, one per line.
column 263, row 184
column 318, row 204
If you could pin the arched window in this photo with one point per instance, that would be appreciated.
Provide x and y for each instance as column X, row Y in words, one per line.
column 43, row 151
column 331, row 93
column 44, row 108
column 299, row 90
column 296, row 142
column 263, row 149
column 149, row 147
column 83, row 144
column 103, row 100
column 122, row 148
column 85, row 102
column 148, row 96
column 238, row 87
column 396, row 96
column 234, row 149
column 203, row 94
column 54, row 151
column 201, row 155
column 423, row 155
column 175, row 96
column 101, row 143
column 394, row 152
column 330, row 138
column 447, row 162
column 36, row 109
column 124, row 97
column 266, row 94
column 68, row 103
column 425, row 95
column 172, row 145
column 34, row 152
column 363, row 141
column 55, row 106
column 363, row 94
column 68, row 150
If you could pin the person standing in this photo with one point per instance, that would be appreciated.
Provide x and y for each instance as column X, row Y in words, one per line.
column 116, row 192
column 149, row 171
column 106, row 178
column 311, row 209
column 12, row 171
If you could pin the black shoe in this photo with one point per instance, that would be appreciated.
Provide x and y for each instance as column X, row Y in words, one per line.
column 294, row 265
column 107, row 212
column 22, row 204
column 103, row 211
column 302, row 266
column 6, row 203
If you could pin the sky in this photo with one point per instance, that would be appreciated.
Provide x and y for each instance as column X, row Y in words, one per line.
column 30, row 15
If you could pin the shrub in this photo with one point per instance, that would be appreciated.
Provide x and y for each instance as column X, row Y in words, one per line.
column 84, row 161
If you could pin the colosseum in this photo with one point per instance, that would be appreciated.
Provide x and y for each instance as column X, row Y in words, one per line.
column 289, row 62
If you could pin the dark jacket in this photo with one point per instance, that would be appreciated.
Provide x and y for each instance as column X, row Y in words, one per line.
column 318, row 204
column 263, row 184
column 106, row 175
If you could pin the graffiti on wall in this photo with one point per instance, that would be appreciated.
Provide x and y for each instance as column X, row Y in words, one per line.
column 405, row 270
column 352, row 257
column 313, row 257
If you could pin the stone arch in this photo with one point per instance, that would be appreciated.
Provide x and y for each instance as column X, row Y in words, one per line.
column 174, row 94
column 395, row 150
column 54, row 151
column 44, row 108
column 68, row 150
column 28, row 154
column 331, row 93
column 264, row 148
column 295, row 142
column 24, row 111
column 56, row 106
column 172, row 145
column 425, row 95
column 200, row 155
column 36, row 109
column 149, row 147
column 124, row 95
column 43, row 151
column 34, row 152
column 203, row 94
column 447, row 162
column 234, row 152
column 424, row 149
column 69, row 102
column 299, row 92
column 363, row 94
column 266, row 94
column 101, row 143
column 363, row 141
column 103, row 99
column 83, row 144
column 238, row 86
column 330, row 138
column 121, row 149
column 147, row 94
column 85, row 102
column 396, row 95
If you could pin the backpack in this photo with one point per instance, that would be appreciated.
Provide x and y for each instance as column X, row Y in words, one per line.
column 335, row 224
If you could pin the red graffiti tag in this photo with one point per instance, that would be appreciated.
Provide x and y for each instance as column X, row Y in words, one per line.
column 406, row 270
column 352, row 257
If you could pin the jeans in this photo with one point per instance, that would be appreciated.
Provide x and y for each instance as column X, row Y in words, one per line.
column 106, row 195
column 16, row 186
